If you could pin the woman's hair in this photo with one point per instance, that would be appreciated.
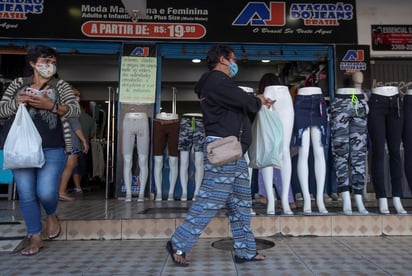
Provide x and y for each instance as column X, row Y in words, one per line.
column 40, row 51
column 267, row 80
column 214, row 54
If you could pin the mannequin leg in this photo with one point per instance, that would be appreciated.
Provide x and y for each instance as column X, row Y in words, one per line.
column 286, row 174
column 173, row 165
column 398, row 205
column 158, row 178
column 383, row 205
column 184, row 166
column 347, row 204
column 320, row 168
column 127, row 175
column 199, row 172
column 267, row 174
column 303, row 171
column 144, row 171
column 284, row 107
column 359, row 204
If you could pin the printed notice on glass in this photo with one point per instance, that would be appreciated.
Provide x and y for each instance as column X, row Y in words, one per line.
column 138, row 80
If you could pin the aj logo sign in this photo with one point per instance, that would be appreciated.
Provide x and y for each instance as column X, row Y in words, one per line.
column 354, row 55
column 259, row 14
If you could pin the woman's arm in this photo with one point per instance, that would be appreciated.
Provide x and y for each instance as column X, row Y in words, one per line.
column 68, row 106
column 8, row 102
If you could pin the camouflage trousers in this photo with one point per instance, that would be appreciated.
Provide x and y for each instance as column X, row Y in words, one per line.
column 349, row 142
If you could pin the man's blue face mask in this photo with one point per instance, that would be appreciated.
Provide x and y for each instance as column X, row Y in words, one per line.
column 233, row 69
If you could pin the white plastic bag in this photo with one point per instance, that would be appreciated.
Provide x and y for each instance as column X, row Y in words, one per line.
column 23, row 145
column 267, row 140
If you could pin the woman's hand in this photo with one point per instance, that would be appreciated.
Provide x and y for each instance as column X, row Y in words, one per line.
column 41, row 102
column 22, row 97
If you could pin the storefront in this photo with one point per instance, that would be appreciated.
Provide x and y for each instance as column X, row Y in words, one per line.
column 312, row 43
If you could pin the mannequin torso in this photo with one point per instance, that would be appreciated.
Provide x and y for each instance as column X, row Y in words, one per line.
column 349, row 91
column 193, row 114
column 166, row 116
column 135, row 115
column 306, row 91
column 387, row 91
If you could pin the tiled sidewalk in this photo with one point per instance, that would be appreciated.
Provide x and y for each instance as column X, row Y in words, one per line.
column 290, row 256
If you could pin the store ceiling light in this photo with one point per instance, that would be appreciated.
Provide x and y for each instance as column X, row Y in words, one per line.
column 265, row 60
column 196, row 60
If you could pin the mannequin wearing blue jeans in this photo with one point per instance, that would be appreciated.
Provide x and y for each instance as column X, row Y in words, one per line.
column 45, row 190
column 385, row 122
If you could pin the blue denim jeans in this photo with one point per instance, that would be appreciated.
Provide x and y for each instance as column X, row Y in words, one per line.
column 40, row 186
column 310, row 111
column 385, row 122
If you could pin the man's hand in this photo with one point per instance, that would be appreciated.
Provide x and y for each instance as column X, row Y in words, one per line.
column 266, row 101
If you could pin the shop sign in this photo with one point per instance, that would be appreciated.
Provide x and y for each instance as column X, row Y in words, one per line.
column 350, row 59
column 391, row 37
column 322, row 21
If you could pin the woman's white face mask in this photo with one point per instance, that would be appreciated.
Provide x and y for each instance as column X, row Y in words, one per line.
column 46, row 70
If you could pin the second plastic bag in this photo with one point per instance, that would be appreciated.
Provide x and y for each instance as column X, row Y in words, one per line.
column 23, row 145
column 267, row 140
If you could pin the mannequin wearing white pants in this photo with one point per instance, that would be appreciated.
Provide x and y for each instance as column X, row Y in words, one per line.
column 166, row 120
column 135, row 130
column 284, row 107
column 195, row 136
column 311, row 134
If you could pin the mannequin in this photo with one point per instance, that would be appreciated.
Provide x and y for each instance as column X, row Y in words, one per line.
column 165, row 131
column 191, row 135
column 309, row 104
column 135, row 130
column 357, row 78
column 407, row 136
column 385, row 122
column 284, row 107
column 349, row 139
column 250, row 170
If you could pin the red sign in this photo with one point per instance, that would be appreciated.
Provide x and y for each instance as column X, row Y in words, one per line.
column 392, row 37
column 143, row 30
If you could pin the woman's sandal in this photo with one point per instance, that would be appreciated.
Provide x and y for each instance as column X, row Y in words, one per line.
column 255, row 258
column 65, row 197
column 178, row 257
column 34, row 246
column 53, row 234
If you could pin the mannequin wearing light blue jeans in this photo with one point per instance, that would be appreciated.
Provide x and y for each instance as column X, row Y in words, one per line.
column 40, row 186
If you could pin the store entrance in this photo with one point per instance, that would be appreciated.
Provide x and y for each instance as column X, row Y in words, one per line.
column 296, row 67
column 96, row 77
